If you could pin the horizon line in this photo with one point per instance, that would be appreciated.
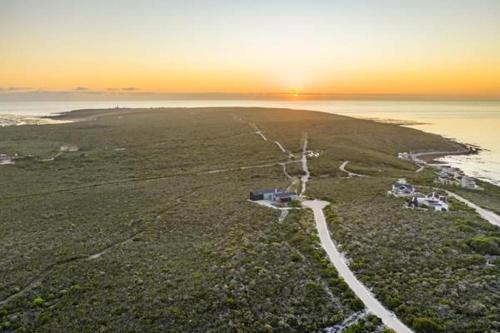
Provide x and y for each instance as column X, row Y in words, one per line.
column 13, row 94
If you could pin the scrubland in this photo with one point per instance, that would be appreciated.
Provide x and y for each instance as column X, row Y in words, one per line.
column 137, row 232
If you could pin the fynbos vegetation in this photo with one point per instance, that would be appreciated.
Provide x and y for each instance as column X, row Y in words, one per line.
column 146, row 227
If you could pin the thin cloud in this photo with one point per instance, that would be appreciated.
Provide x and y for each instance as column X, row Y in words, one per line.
column 130, row 89
column 81, row 89
column 94, row 92
column 17, row 88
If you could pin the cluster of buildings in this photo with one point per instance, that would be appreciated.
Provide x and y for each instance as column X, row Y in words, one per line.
column 274, row 196
column 412, row 157
column 405, row 156
column 311, row 154
column 446, row 175
column 456, row 177
column 433, row 201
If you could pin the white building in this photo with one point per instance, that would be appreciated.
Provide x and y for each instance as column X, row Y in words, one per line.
column 432, row 201
column 456, row 177
column 69, row 148
column 312, row 154
column 404, row 156
column 273, row 195
column 5, row 159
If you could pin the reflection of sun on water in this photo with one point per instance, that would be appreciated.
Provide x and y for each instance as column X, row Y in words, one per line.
column 292, row 94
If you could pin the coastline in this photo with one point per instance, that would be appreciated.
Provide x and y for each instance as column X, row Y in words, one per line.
column 431, row 158
column 17, row 120
column 86, row 114
column 77, row 115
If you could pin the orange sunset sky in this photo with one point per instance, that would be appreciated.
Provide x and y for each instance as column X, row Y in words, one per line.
column 436, row 48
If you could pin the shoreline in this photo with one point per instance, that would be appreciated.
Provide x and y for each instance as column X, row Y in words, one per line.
column 434, row 160
column 77, row 115
column 431, row 158
column 7, row 120
column 91, row 113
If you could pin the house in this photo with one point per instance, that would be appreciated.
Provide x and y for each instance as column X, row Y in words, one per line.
column 432, row 201
column 311, row 154
column 5, row 159
column 456, row 177
column 470, row 183
column 69, row 148
column 274, row 195
column 402, row 189
column 404, row 156
column 263, row 195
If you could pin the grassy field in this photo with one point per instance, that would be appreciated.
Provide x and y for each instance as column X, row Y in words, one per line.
column 147, row 227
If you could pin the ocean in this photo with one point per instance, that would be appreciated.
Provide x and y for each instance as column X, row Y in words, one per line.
column 476, row 123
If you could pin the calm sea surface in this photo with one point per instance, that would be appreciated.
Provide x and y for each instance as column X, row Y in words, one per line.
column 469, row 122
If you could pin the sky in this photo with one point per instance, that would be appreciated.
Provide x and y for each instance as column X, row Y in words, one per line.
column 323, row 47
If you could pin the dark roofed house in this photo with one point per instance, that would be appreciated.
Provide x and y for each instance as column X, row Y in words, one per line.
column 263, row 195
column 402, row 189
column 273, row 195
column 257, row 195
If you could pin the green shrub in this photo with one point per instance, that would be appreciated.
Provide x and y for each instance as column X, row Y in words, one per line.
column 485, row 244
column 426, row 325
column 355, row 328
column 231, row 302
column 38, row 301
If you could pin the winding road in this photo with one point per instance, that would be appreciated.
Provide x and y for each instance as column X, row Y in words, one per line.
column 349, row 173
column 415, row 157
column 338, row 260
